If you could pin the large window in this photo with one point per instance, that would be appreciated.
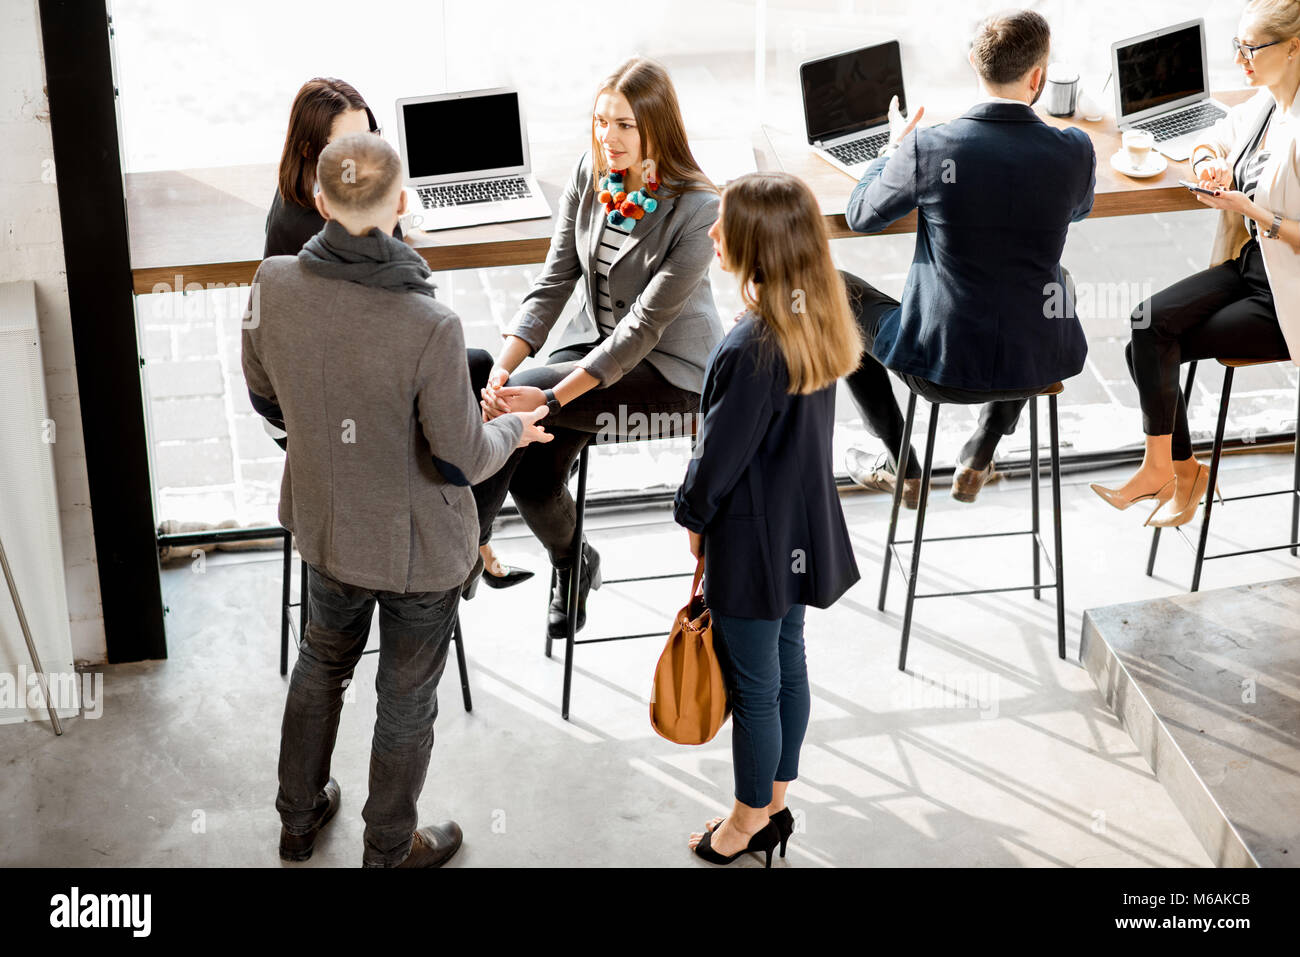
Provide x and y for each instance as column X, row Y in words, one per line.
column 202, row 88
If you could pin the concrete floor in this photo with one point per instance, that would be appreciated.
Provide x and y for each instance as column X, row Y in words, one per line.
column 990, row 751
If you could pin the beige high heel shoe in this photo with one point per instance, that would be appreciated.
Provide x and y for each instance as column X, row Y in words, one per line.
column 1172, row 519
column 1112, row 497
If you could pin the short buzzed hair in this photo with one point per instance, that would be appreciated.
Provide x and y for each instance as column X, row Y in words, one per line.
column 358, row 172
column 1009, row 45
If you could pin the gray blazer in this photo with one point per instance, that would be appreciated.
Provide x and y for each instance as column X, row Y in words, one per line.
column 385, row 435
column 658, row 286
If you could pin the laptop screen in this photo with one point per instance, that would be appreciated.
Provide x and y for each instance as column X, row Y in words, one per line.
column 462, row 135
column 851, row 91
column 1161, row 70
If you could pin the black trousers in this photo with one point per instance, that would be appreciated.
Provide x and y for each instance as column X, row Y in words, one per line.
column 1224, row 312
column 537, row 476
column 874, row 395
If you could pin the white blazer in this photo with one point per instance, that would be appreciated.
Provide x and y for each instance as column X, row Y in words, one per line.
column 1278, row 190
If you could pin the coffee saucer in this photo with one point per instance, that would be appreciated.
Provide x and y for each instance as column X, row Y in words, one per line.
column 1154, row 166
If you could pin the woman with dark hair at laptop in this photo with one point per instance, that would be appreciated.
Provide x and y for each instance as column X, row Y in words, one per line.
column 323, row 110
column 633, row 234
column 1247, row 306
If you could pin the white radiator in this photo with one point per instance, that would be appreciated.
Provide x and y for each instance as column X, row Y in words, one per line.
column 29, row 521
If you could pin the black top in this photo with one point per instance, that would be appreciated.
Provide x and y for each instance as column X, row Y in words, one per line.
column 1249, row 165
column 289, row 226
column 761, row 486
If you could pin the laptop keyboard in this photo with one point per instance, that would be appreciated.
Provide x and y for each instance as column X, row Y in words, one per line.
column 1174, row 125
column 859, row 151
column 481, row 191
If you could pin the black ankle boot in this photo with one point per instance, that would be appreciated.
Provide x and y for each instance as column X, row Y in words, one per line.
column 557, row 619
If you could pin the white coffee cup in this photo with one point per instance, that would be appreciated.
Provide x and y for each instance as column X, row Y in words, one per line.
column 410, row 221
column 1138, row 145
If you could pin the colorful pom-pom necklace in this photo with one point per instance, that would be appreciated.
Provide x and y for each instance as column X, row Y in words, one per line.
column 626, row 209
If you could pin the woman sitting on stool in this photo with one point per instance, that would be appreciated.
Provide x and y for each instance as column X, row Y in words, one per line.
column 325, row 109
column 1248, row 306
column 760, row 498
column 632, row 234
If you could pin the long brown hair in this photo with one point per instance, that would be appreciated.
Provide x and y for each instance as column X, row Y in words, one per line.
column 310, row 119
column 649, row 91
column 774, row 242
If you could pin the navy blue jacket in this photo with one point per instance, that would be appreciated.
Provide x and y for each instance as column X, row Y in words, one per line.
column 761, row 486
column 985, row 306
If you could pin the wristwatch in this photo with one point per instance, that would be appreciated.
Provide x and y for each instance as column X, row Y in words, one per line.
column 552, row 403
column 1276, row 228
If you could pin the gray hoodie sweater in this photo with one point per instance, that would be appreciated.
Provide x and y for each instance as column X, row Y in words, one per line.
column 384, row 435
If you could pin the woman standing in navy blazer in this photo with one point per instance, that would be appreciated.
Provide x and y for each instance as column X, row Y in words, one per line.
column 760, row 499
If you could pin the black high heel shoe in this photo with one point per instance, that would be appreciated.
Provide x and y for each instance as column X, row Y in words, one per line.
column 512, row 576
column 764, row 842
column 784, row 822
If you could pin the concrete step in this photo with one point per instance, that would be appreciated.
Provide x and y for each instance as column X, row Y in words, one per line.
column 1208, row 687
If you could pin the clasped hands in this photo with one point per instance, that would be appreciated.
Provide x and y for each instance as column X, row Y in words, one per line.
column 498, row 399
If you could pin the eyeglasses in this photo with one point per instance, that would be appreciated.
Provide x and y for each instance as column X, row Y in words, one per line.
column 1247, row 51
column 376, row 130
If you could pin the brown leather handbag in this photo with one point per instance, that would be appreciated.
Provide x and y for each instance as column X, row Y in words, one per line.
column 688, row 703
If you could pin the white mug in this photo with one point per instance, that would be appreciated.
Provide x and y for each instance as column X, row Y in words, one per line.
column 1138, row 144
column 410, row 222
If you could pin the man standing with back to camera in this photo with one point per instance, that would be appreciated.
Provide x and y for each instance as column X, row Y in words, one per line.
column 349, row 353
column 988, row 312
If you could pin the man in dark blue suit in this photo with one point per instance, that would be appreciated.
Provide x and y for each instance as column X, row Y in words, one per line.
column 988, row 313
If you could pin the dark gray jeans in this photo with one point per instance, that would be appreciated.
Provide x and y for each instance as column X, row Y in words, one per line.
column 414, row 634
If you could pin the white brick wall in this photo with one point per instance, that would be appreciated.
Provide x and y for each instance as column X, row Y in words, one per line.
column 31, row 247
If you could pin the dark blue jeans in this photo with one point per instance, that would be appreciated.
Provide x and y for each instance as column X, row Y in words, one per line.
column 767, row 674
column 414, row 634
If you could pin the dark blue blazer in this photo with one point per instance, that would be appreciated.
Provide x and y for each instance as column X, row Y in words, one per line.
column 985, row 306
column 761, row 486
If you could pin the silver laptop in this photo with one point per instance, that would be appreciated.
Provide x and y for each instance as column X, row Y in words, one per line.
column 465, row 158
column 1162, row 85
column 846, row 103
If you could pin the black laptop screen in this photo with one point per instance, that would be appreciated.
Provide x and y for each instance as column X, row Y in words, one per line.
column 851, row 91
column 463, row 135
column 1159, row 71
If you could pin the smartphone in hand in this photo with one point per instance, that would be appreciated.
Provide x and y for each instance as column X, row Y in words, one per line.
column 1198, row 188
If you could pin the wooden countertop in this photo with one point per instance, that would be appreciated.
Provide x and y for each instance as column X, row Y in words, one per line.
column 207, row 225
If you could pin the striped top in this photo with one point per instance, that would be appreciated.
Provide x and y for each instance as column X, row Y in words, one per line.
column 1249, row 166
column 611, row 241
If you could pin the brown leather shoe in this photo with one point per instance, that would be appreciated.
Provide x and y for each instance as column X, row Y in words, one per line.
column 434, row 845
column 967, row 482
column 298, row 847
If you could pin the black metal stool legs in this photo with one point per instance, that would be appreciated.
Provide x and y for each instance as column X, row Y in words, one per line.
column 284, row 603
column 917, row 538
column 575, row 582
column 1214, row 476
column 1034, row 476
column 1039, row 547
column 903, row 461
column 459, row 637
column 1053, row 425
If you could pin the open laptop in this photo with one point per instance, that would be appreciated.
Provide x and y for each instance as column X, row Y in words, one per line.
column 846, row 103
column 465, row 157
column 1162, row 86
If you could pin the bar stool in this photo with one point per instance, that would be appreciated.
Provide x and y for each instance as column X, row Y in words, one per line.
column 1229, row 368
column 1037, row 544
column 287, row 626
column 580, row 500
